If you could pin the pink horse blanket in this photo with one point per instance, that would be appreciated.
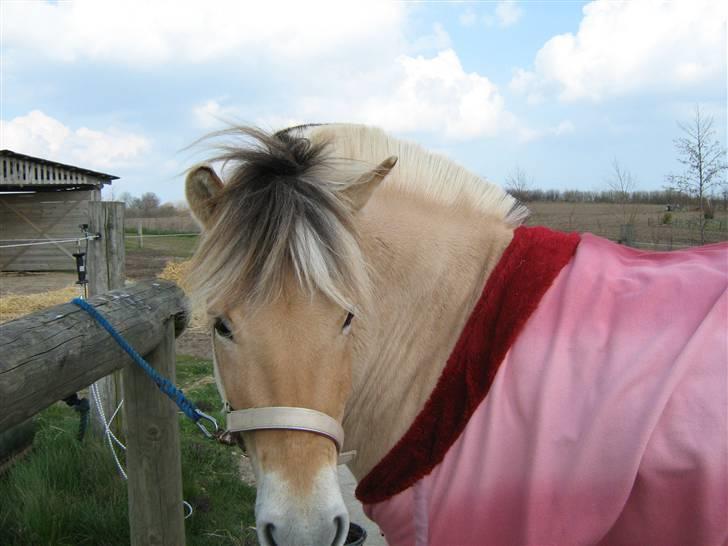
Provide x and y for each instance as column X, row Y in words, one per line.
column 606, row 415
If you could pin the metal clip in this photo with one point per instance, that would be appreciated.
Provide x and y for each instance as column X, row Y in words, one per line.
column 202, row 427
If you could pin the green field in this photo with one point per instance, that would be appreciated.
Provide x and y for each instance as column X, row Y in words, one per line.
column 66, row 492
column 181, row 246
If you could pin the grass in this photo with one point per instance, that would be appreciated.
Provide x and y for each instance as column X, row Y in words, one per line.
column 69, row 493
column 181, row 246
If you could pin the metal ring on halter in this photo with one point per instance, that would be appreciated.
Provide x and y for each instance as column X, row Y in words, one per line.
column 201, row 425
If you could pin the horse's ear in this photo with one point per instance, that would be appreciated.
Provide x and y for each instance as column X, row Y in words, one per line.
column 201, row 186
column 360, row 192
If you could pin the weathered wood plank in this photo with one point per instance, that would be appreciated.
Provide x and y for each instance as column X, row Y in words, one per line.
column 53, row 216
column 36, row 216
column 49, row 355
column 156, row 514
column 106, row 271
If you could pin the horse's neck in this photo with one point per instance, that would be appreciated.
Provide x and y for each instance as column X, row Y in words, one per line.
column 429, row 266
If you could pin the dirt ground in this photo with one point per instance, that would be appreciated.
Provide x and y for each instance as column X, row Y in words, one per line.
column 648, row 223
column 34, row 282
column 195, row 342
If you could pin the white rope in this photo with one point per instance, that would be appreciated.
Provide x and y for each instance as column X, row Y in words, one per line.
column 49, row 242
column 107, row 431
column 108, row 428
column 110, row 436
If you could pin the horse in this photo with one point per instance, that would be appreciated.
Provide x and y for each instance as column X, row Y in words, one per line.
column 499, row 384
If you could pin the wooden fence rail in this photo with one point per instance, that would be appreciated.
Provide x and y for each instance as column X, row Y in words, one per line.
column 49, row 355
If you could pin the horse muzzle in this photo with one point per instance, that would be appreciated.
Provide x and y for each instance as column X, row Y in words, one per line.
column 283, row 519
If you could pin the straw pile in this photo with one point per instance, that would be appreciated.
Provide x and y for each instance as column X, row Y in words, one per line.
column 13, row 306
column 176, row 272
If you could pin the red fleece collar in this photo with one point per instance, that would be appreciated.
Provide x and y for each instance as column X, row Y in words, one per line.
column 526, row 270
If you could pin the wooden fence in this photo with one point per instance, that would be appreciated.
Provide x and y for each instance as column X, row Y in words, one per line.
column 56, row 352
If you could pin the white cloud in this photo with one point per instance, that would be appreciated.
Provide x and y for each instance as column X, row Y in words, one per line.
column 212, row 114
column 435, row 95
column 437, row 40
column 415, row 94
column 40, row 135
column 527, row 134
column 146, row 33
column 563, row 128
column 628, row 47
column 468, row 18
column 508, row 13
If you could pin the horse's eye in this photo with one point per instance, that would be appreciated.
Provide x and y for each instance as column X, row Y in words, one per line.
column 347, row 322
column 222, row 329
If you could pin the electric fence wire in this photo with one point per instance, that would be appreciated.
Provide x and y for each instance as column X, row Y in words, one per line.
column 47, row 242
column 145, row 236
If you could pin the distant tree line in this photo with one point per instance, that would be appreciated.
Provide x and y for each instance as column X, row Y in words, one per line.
column 656, row 197
column 149, row 206
column 702, row 185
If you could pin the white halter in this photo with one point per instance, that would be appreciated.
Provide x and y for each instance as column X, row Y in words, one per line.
column 281, row 418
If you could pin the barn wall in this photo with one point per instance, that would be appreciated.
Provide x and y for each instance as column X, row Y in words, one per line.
column 46, row 215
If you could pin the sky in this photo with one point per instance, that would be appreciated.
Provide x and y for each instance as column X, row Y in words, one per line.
column 557, row 89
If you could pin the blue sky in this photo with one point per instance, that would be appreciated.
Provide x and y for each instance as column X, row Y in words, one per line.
column 557, row 88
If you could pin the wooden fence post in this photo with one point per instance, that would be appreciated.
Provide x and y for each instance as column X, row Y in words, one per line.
column 156, row 514
column 140, row 234
column 106, row 271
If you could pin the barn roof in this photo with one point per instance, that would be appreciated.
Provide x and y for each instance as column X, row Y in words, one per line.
column 25, row 172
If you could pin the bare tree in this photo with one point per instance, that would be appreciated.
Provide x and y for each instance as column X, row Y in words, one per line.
column 704, row 160
column 149, row 203
column 621, row 185
column 518, row 184
column 127, row 199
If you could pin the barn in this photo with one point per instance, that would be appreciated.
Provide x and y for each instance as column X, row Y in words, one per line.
column 43, row 201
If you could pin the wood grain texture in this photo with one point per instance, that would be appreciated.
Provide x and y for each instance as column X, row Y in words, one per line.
column 49, row 355
column 156, row 514
column 106, row 271
column 51, row 215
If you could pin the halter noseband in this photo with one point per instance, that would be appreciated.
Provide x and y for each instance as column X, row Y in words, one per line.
column 286, row 418
column 282, row 418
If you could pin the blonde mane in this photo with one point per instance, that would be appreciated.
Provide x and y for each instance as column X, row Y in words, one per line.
column 419, row 172
column 284, row 211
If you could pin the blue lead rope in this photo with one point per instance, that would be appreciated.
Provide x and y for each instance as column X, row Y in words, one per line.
column 164, row 384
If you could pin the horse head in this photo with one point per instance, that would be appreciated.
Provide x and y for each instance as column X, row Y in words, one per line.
column 280, row 272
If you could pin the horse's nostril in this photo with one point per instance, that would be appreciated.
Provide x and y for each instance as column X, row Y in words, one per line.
column 341, row 531
column 268, row 532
